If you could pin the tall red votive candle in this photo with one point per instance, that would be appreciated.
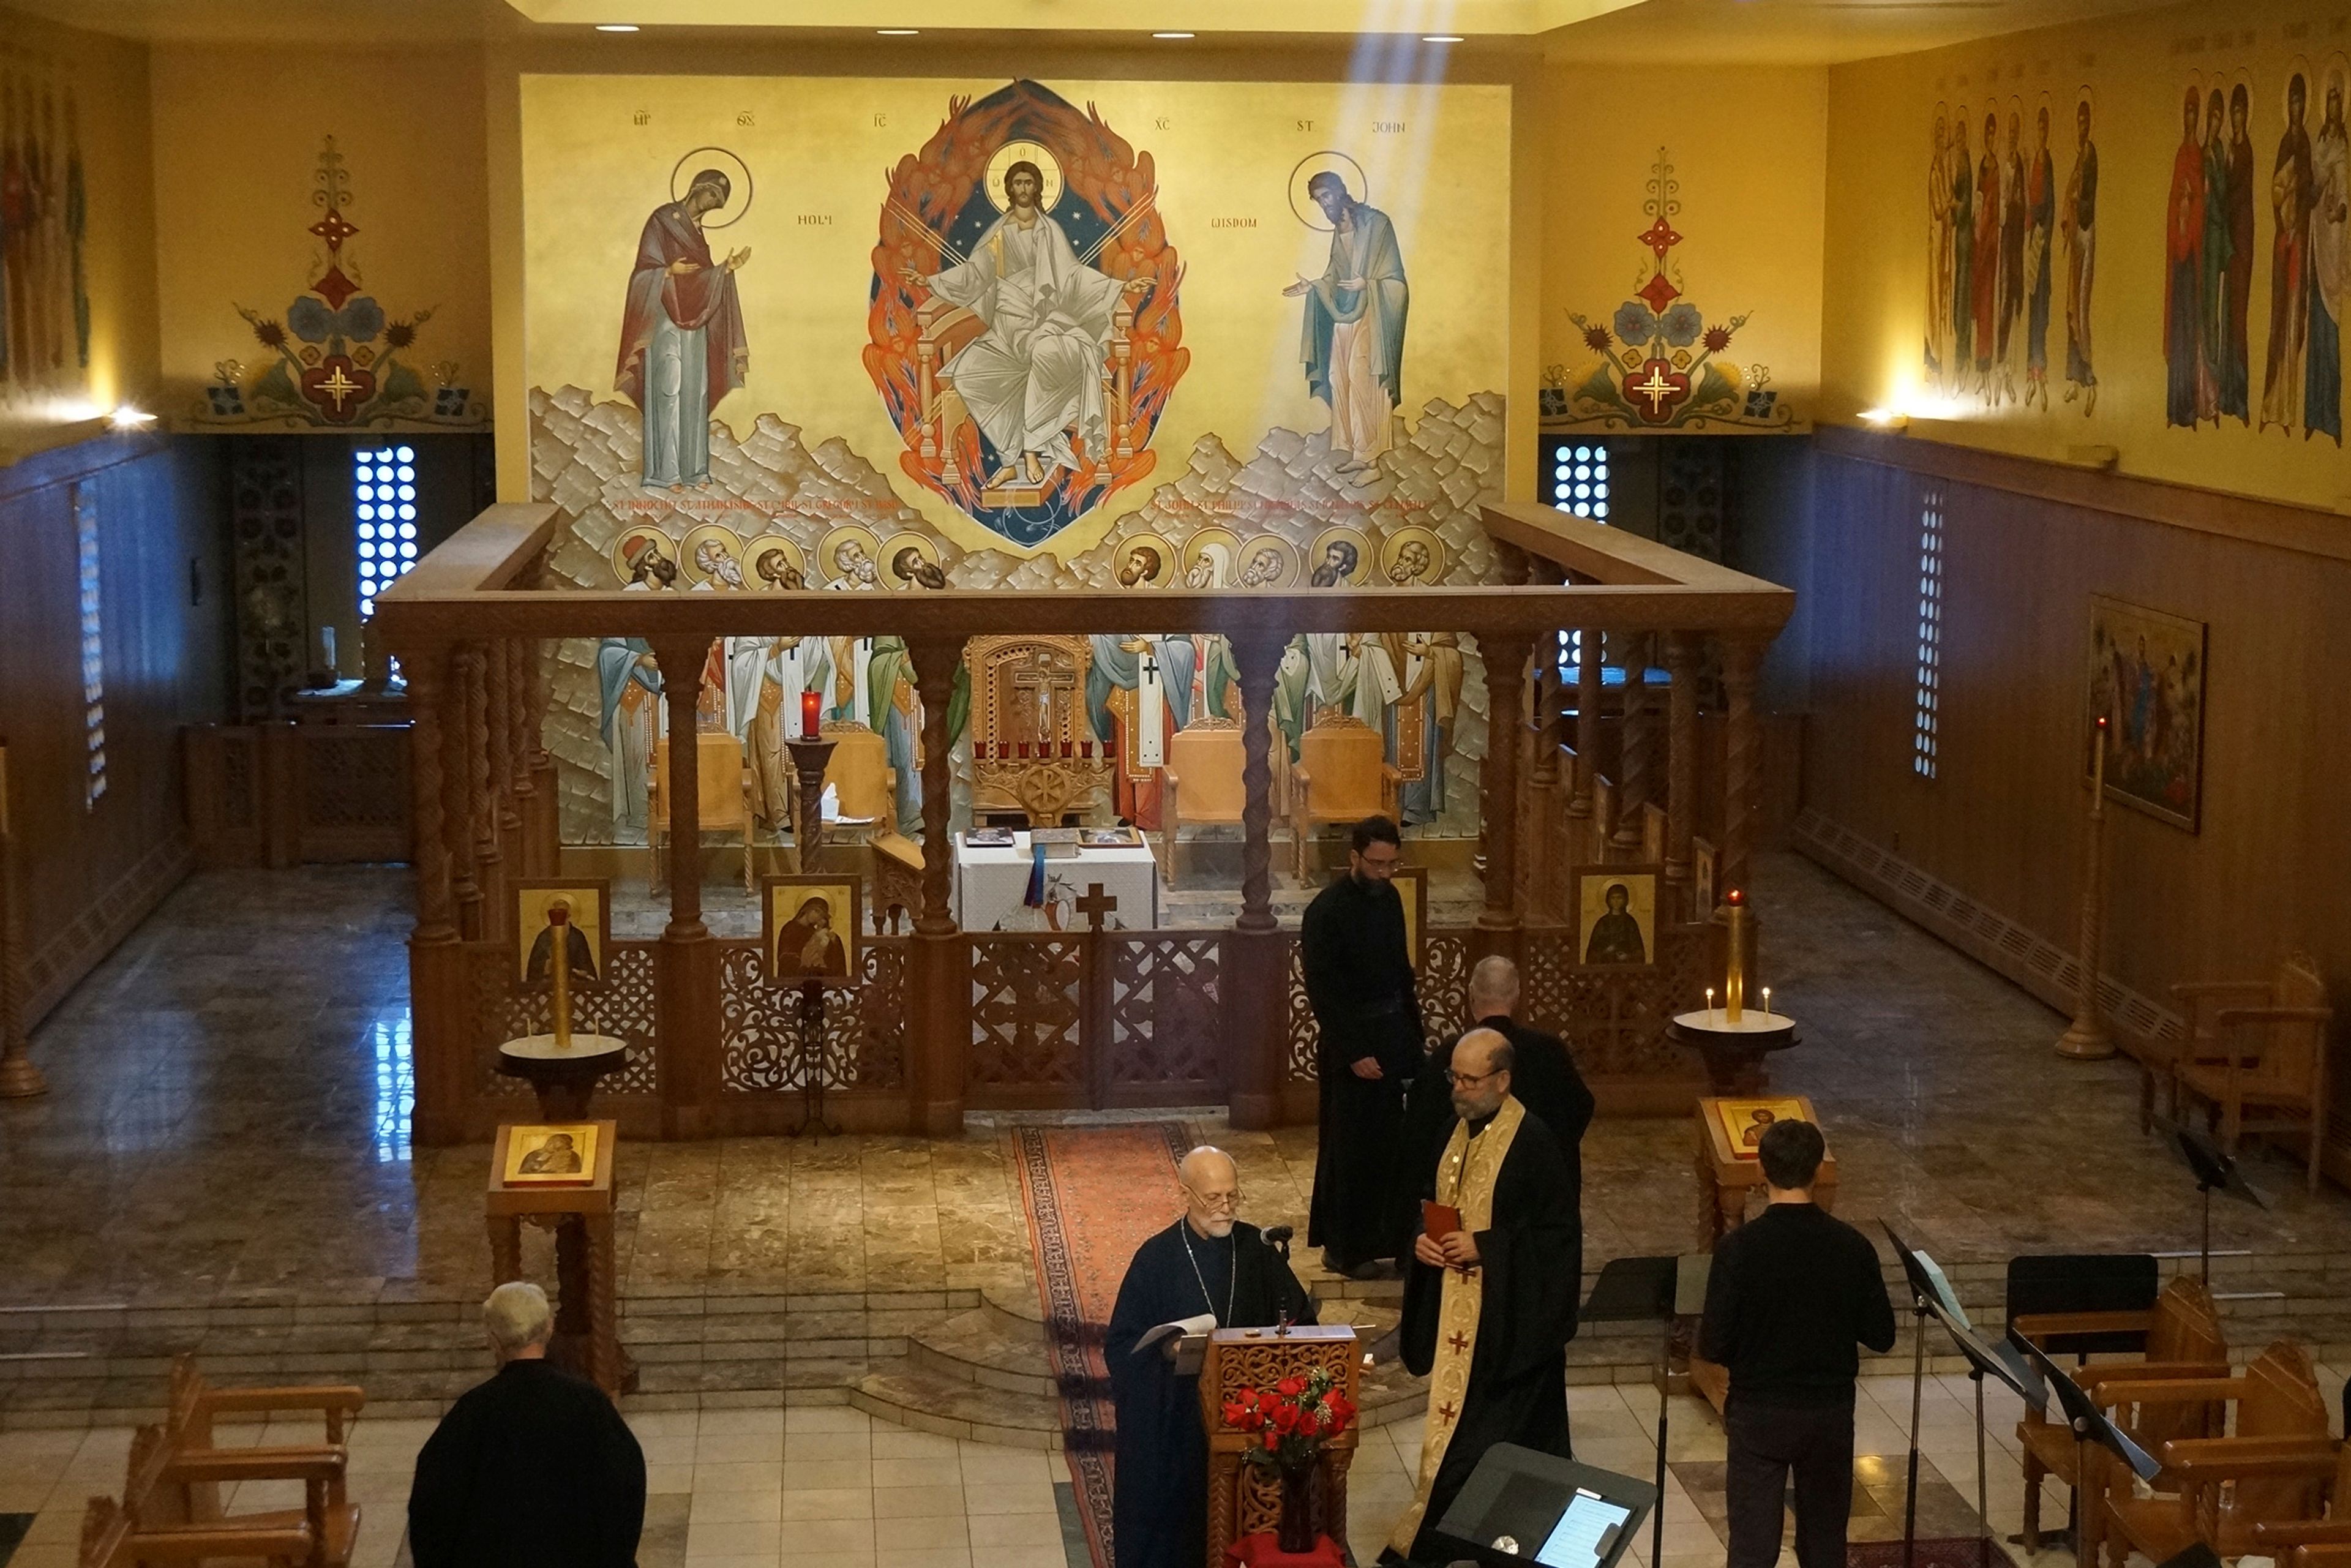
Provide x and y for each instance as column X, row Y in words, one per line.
column 812, row 714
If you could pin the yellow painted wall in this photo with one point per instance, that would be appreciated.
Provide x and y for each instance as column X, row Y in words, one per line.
column 236, row 164
column 1879, row 149
column 1223, row 155
column 1749, row 149
column 109, row 81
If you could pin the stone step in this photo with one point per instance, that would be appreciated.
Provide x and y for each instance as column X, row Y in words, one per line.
column 978, row 1348
column 1014, row 1310
column 933, row 1402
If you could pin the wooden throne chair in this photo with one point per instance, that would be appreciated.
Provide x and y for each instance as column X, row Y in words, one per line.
column 2184, row 1339
column 1202, row 781
column 2217, row 1490
column 2255, row 1057
column 1342, row 776
column 1032, row 743
column 946, row 330
column 726, row 787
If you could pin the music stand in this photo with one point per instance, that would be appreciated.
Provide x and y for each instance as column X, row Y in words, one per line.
column 1644, row 1291
column 2001, row 1361
column 2090, row 1424
column 2215, row 1172
column 1927, row 1284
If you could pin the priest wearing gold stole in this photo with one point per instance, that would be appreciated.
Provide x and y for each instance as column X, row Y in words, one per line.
column 1490, row 1301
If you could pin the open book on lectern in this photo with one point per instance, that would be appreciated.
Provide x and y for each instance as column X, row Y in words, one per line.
column 1186, row 1340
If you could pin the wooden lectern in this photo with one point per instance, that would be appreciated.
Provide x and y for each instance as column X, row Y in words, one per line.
column 1244, row 1498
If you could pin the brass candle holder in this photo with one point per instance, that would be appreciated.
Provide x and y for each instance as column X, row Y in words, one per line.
column 2085, row 1039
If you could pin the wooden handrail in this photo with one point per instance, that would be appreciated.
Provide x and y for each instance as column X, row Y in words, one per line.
column 463, row 588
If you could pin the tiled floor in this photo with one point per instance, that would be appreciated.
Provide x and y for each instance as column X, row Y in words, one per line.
column 824, row 1487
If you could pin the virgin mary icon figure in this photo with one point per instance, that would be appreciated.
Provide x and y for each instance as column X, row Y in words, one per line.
column 681, row 343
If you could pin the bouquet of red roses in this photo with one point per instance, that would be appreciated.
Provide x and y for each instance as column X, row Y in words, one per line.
column 1293, row 1419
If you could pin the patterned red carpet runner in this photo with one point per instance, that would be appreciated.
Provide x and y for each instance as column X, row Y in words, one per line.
column 1093, row 1195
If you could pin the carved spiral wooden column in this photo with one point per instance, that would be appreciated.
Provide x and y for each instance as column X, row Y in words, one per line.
column 1633, row 771
column 542, row 821
column 1587, row 739
column 458, row 796
column 938, row 971
column 440, row 1005
column 1742, row 771
column 522, row 789
column 1256, row 952
column 489, row 863
column 502, row 754
column 686, row 967
column 1681, row 768
column 1504, row 655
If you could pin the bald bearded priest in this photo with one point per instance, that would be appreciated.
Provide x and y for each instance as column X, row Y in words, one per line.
column 1207, row 1264
column 1489, row 1305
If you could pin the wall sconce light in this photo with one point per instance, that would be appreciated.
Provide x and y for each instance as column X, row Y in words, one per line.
column 126, row 417
column 1892, row 419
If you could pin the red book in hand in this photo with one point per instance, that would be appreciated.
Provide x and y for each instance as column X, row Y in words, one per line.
column 1439, row 1219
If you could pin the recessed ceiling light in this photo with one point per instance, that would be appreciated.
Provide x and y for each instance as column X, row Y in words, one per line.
column 1171, row 35
column 616, row 26
column 898, row 32
column 1441, row 38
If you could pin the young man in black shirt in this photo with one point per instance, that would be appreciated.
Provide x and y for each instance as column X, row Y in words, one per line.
column 1790, row 1293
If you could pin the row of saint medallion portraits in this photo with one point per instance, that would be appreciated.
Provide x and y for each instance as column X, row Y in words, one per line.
column 1033, row 706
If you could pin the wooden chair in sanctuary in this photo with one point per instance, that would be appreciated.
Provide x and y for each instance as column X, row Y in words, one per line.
column 2324, row 1543
column 2184, row 1340
column 2220, row 1487
column 1342, row 776
column 2255, row 1057
column 1202, row 783
column 725, row 790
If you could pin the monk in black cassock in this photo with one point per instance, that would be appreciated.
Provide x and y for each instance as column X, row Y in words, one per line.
column 1488, row 1308
column 533, row 1468
column 1208, row 1262
column 1542, row 1078
column 1359, row 982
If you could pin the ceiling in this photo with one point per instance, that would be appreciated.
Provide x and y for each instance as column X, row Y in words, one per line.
column 1598, row 32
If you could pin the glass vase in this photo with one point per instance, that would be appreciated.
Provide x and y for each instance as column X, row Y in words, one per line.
column 1297, row 1533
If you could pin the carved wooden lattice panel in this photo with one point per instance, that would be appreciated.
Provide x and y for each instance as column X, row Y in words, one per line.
column 622, row 1007
column 1613, row 1022
column 355, row 795
column 1166, row 1008
column 272, row 602
column 1256, row 1493
column 1443, row 988
column 1028, row 1011
column 864, row 1029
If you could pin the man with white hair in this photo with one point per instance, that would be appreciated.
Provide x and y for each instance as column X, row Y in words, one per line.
column 1208, row 1264
column 1544, row 1080
column 533, row 1467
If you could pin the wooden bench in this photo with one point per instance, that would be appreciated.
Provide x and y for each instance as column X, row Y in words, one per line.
column 109, row 1540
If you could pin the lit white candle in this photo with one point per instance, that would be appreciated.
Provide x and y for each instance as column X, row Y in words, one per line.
column 1767, row 1001
column 1710, row 1004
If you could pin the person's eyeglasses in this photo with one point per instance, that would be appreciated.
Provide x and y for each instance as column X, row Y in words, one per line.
column 1217, row 1202
column 1471, row 1080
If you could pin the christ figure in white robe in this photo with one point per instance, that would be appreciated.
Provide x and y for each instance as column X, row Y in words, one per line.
column 1035, row 375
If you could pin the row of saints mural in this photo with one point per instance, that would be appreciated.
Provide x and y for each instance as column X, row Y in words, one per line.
column 1025, row 314
column 2013, row 250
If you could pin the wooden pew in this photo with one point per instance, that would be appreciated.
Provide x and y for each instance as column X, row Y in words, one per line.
column 2223, row 1486
column 2183, row 1340
column 162, row 1482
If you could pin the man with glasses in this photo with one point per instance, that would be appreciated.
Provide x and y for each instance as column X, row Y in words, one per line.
column 1208, row 1264
column 1359, row 982
column 1490, row 1302
column 1543, row 1077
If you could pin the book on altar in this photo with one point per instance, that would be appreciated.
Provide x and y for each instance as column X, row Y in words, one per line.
column 1186, row 1340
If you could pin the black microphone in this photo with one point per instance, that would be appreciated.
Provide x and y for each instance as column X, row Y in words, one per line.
column 1278, row 1237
